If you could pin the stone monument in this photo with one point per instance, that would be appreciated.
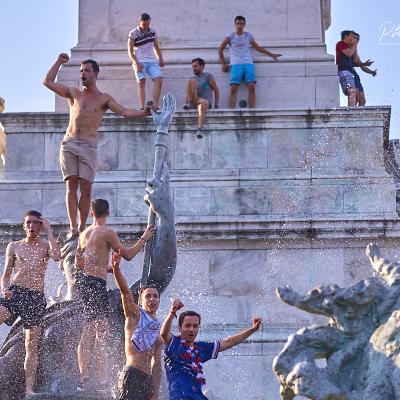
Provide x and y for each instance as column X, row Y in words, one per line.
column 305, row 76
column 268, row 196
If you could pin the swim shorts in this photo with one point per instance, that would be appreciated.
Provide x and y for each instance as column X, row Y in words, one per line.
column 134, row 384
column 241, row 72
column 93, row 291
column 26, row 303
column 78, row 157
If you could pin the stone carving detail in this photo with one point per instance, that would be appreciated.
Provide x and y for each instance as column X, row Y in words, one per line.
column 58, row 374
column 326, row 14
column 359, row 345
column 2, row 136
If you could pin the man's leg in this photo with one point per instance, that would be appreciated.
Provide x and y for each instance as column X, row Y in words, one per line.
column 352, row 96
column 251, row 87
column 84, row 202
column 361, row 99
column 85, row 348
column 157, row 84
column 232, row 96
column 202, row 107
column 71, row 201
column 101, row 349
column 32, row 336
column 191, row 92
column 142, row 92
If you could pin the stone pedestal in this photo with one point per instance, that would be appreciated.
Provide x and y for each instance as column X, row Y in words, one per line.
column 305, row 76
column 265, row 199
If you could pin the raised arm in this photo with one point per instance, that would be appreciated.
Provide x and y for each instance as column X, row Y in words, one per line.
column 388, row 270
column 54, row 248
column 214, row 87
column 49, row 79
column 158, row 53
column 367, row 70
column 224, row 66
column 260, row 49
column 130, row 252
column 165, row 331
column 125, row 112
column 234, row 340
column 130, row 308
column 8, row 268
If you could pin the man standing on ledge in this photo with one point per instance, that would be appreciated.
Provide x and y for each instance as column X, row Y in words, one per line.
column 184, row 357
column 78, row 153
column 242, row 65
column 143, row 47
column 22, row 294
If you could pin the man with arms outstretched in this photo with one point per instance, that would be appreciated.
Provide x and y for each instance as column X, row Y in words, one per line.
column 92, row 256
column 78, row 151
column 184, row 356
column 241, row 60
column 141, row 376
column 22, row 293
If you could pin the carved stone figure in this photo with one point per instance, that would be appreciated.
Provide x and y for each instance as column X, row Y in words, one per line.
column 58, row 368
column 353, row 314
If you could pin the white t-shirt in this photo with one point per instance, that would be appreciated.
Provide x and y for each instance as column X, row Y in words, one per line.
column 144, row 44
column 240, row 48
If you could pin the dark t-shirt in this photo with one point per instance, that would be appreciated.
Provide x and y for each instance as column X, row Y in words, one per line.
column 344, row 62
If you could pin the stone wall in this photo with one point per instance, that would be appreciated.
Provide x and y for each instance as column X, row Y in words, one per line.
column 266, row 198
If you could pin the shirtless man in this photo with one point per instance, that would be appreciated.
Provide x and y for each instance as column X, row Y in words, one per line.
column 141, row 376
column 22, row 293
column 78, row 151
column 92, row 256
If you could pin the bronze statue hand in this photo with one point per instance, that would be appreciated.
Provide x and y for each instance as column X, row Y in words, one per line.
column 163, row 120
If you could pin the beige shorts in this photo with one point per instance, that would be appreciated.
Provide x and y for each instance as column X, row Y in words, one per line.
column 78, row 157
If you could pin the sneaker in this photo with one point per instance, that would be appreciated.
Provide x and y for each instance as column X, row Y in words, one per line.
column 71, row 235
column 188, row 106
column 199, row 133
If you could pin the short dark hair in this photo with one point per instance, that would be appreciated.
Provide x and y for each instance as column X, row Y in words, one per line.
column 100, row 207
column 145, row 17
column 94, row 64
column 188, row 314
column 345, row 33
column 240, row 18
column 199, row 60
column 33, row 213
column 143, row 288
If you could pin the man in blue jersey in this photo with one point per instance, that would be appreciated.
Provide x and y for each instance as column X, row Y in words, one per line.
column 184, row 357
column 241, row 60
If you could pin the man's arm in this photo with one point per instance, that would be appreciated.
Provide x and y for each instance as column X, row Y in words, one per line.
column 54, row 248
column 132, row 55
column 367, row 70
column 8, row 267
column 130, row 308
column 158, row 53
column 234, row 340
column 214, row 87
column 224, row 66
column 49, row 79
column 260, row 49
column 130, row 252
column 125, row 112
column 165, row 331
column 156, row 369
column 350, row 51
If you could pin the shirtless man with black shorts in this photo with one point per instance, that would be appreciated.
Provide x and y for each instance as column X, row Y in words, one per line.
column 140, row 379
column 78, row 151
column 22, row 293
column 92, row 257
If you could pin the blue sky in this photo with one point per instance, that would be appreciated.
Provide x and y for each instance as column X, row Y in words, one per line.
column 33, row 32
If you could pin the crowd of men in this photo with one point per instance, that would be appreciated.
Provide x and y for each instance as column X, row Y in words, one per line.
column 26, row 261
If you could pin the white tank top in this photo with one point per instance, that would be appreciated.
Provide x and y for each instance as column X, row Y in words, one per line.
column 146, row 332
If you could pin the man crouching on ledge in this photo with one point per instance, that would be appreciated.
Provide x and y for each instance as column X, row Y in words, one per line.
column 22, row 294
column 184, row 356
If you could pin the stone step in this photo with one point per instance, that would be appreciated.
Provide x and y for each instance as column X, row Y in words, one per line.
column 75, row 396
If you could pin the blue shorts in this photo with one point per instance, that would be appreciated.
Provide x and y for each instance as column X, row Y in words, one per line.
column 152, row 69
column 242, row 71
column 346, row 81
column 357, row 82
